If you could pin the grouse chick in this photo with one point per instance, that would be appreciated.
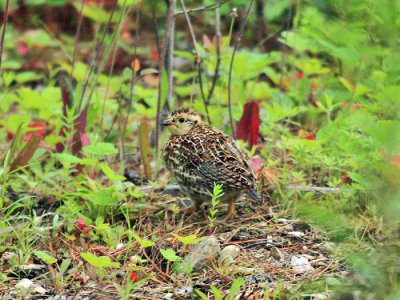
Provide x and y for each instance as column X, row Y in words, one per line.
column 199, row 155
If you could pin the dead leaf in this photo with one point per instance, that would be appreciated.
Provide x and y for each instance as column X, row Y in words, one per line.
column 27, row 152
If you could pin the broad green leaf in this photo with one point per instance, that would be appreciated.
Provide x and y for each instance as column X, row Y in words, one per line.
column 66, row 158
column 104, row 197
column 185, row 54
column 188, row 240
column 99, row 262
column 386, row 133
column 45, row 257
column 142, row 242
column 201, row 294
column 64, row 265
column 169, row 254
column 235, row 288
column 148, row 71
column 100, row 149
column 110, row 173
column 27, row 76
column 217, row 293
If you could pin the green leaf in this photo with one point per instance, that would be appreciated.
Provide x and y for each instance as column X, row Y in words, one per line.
column 185, row 54
column 188, row 240
column 110, row 173
column 142, row 242
column 235, row 288
column 64, row 265
column 104, row 197
column 100, row 149
column 66, row 158
column 99, row 262
column 217, row 293
column 201, row 294
column 148, row 71
column 169, row 254
column 387, row 134
column 45, row 257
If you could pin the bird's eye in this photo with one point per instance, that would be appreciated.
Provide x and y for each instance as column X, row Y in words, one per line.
column 181, row 120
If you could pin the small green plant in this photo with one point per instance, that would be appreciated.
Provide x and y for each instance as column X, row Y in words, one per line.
column 217, row 294
column 170, row 256
column 217, row 193
column 99, row 263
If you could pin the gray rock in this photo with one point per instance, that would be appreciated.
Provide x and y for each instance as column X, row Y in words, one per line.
column 202, row 254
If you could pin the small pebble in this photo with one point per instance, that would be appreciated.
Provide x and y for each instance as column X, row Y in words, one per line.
column 296, row 233
column 300, row 264
column 40, row 290
column 24, row 283
column 231, row 251
column 185, row 291
column 277, row 254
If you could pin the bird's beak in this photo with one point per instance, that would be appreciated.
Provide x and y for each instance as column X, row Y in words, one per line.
column 165, row 123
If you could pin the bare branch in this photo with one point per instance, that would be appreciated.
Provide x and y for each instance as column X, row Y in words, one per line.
column 169, row 65
column 231, row 66
column 134, row 67
column 284, row 52
column 77, row 34
column 198, row 60
column 204, row 8
column 172, row 4
column 202, row 92
column 3, row 34
column 216, row 71
column 153, row 14
column 94, row 62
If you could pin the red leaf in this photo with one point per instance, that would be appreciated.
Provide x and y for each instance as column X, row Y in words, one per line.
column 66, row 99
column 60, row 146
column 80, row 139
column 256, row 163
column 248, row 128
column 40, row 131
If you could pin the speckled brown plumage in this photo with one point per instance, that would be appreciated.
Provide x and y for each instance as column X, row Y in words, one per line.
column 198, row 155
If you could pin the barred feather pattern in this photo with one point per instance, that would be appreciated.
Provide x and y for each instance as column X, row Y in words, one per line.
column 204, row 156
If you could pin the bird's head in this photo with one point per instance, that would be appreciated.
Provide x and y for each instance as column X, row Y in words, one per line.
column 182, row 120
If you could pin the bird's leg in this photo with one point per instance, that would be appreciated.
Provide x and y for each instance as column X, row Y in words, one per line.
column 231, row 209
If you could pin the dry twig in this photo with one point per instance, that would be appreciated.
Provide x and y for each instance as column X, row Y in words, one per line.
column 231, row 66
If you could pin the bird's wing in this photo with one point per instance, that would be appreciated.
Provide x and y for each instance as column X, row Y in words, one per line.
column 224, row 161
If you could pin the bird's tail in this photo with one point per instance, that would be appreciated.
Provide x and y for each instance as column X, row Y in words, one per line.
column 255, row 196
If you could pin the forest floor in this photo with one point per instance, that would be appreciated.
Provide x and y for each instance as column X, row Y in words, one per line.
column 277, row 256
